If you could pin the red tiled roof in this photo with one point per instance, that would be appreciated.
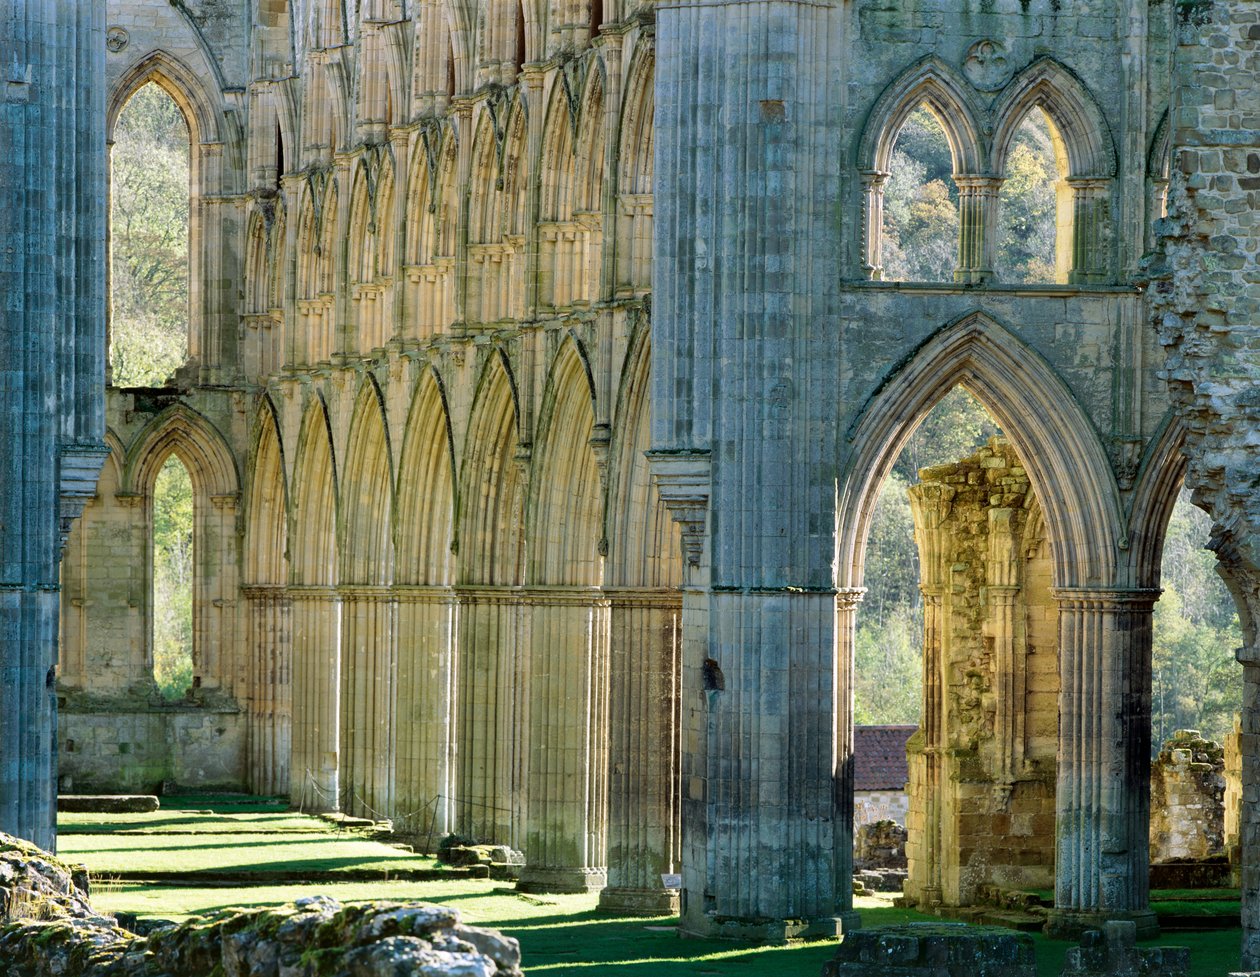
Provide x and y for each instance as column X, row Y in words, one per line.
column 879, row 757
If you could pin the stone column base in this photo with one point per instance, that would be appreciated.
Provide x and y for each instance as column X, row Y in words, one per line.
column 1069, row 924
column 770, row 930
column 562, row 880
column 639, row 902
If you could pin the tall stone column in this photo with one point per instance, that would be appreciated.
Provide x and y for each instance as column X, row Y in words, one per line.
column 643, row 818
column 1103, row 793
column 52, row 338
column 490, row 716
column 566, row 825
column 270, row 688
column 314, row 766
column 744, row 443
column 368, row 694
column 847, row 601
column 424, row 765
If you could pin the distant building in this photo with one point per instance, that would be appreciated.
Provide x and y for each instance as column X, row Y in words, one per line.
column 881, row 773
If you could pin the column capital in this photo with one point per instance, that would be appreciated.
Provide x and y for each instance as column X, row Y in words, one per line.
column 848, row 598
column 684, row 481
column 1102, row 597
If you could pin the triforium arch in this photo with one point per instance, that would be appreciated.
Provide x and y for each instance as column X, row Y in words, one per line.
column 491, row 774
column 1084, row 139
column 424, row 545
column 204, row 452
column 951, row 99
column 368, row 671
column 568, row 626
column 265, row 579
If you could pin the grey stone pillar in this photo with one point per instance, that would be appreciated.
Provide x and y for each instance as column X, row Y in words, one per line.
column 744, row 442
column 1103, row 795
column 52, row 337
column 643, row 751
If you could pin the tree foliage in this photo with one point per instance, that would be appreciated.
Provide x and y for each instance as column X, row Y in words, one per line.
column 920, row 240
column 149, row 240
column 1197, row 683
column 172, row 579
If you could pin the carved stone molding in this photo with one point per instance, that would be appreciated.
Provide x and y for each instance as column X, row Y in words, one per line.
column 684, row 481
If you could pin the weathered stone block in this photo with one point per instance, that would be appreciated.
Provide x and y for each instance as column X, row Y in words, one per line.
column 936, row 949
column 1114, row 951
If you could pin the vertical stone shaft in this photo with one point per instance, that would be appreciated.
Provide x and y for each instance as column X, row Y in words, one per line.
column 367, row 689
column 270, row 689
column 1002, row 591
column 424, row 768
column 1104, row 754
column 490, row 690
column 847, row 601
column 977, row 209
column 314, row 767
column 873, row 182
column 643, row 829
column 1090, row 201
column 747, row 113
column 51, row 365
column 566, row 824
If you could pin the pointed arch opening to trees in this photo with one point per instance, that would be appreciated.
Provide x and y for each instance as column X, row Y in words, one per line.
column 1034, row 236
column 920, row 231
column 151, row 166
column 174, row 562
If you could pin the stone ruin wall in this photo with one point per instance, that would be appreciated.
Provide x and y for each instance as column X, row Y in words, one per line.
column 1187, row 799
column 1205, row 298
column 982, row 767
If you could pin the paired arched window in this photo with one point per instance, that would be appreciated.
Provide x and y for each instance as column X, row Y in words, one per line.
column 945, row 201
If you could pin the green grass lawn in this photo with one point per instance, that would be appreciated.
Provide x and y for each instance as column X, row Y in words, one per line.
column 561, row 936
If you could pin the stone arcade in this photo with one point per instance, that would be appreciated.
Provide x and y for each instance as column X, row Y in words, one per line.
column 542, row 376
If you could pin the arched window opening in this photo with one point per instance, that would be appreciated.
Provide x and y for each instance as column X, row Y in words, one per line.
column 1196, row 703
column 149, row 253
column 450, row 69
column 173, row 570
column 520, row 37
column 889, row 650
column 920, row 230
column 597, row 17
column 1196, row 681
column 955, row 662
column 1035, row 206
column 279, row 156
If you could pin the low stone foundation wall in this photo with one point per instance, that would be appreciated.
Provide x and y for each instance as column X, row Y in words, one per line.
column 933, row 950
column 48, row 929
column 138, row 751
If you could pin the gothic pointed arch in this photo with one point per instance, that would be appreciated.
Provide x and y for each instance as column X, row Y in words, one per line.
column 177, row 80
column 491, row 496
column 1051, row 431
column 947, row 95
column 566, row 504
column 426, row 489
column 199, row 445
column 367, row 496
column 644, row 548
column 1067, row 102
column 266, row 502
column 1158, row 483
column 314, row 511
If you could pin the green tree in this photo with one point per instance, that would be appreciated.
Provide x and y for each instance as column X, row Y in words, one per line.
column 920, row 241
column 1026, row 243
column 172, row 579
column 1196, row 681
column 149, row 240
